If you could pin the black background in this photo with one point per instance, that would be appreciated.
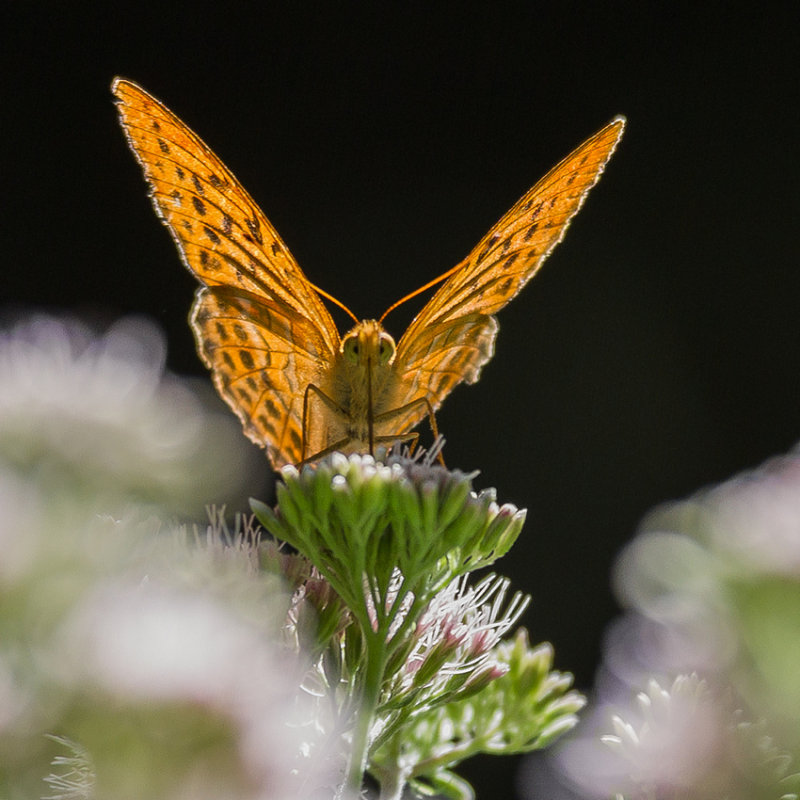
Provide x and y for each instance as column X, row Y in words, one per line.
column 657, row 351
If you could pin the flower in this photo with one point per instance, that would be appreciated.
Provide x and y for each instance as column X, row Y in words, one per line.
column 98, row 416
column 456, row 634
column 157, row 654
column 394, row 540
column 357, row 519
column 708, row 648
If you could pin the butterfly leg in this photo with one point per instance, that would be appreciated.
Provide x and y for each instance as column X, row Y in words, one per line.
column 408, row 437
column 333, row 406
column 396, row 412
column 322, row 453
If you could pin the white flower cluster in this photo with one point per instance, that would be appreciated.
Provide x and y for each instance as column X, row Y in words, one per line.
column 698, row 693
column 156, row 656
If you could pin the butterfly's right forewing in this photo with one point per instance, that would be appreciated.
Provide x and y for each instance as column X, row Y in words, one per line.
column 454, row 333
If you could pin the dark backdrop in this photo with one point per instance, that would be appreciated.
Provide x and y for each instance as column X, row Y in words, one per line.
column 657, row 351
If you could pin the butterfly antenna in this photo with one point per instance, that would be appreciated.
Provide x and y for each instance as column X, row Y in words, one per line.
column 335, row 301
column 443, row 277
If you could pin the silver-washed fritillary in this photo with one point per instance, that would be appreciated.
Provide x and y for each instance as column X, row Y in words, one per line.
column 299, row 388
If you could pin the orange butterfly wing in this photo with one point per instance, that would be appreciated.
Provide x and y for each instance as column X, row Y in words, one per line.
column 453, row 336
column 259, row 324
column 249, row 343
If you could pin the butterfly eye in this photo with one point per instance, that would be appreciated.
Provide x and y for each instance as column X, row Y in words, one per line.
column 351, row 349
column 385, row 349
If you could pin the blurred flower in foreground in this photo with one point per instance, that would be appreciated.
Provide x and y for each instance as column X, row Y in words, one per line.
column 96, row 416
column 148, row 656
column 709, row 647
column 158, row 657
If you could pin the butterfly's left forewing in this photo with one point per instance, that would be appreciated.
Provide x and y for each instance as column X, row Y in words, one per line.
column 221, row 233
column 453, row 336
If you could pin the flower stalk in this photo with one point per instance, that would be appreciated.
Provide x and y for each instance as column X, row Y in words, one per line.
column 396, row 540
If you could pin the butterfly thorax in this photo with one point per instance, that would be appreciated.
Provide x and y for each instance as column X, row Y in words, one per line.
column 363, row 376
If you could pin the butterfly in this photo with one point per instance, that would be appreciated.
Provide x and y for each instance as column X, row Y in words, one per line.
column 299, row 388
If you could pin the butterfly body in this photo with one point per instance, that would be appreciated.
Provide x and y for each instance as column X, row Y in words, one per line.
column 276, row 357
column 358, row 391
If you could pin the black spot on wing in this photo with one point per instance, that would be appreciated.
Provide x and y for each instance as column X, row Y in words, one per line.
column 489, row 245
column 529, row 233
column 255, row 229
column 246, row 359
column 296, row 440
column 267, row 425
column 272, row 409
column 506, row 285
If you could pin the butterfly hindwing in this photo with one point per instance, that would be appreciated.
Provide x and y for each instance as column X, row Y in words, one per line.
column 439, row 358
column 250, row 344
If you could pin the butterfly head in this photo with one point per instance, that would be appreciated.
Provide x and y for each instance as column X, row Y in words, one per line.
column 368, row 343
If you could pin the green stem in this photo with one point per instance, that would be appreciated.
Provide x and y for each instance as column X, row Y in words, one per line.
column 392, row 779
column 392, row 786
column 368, row 703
